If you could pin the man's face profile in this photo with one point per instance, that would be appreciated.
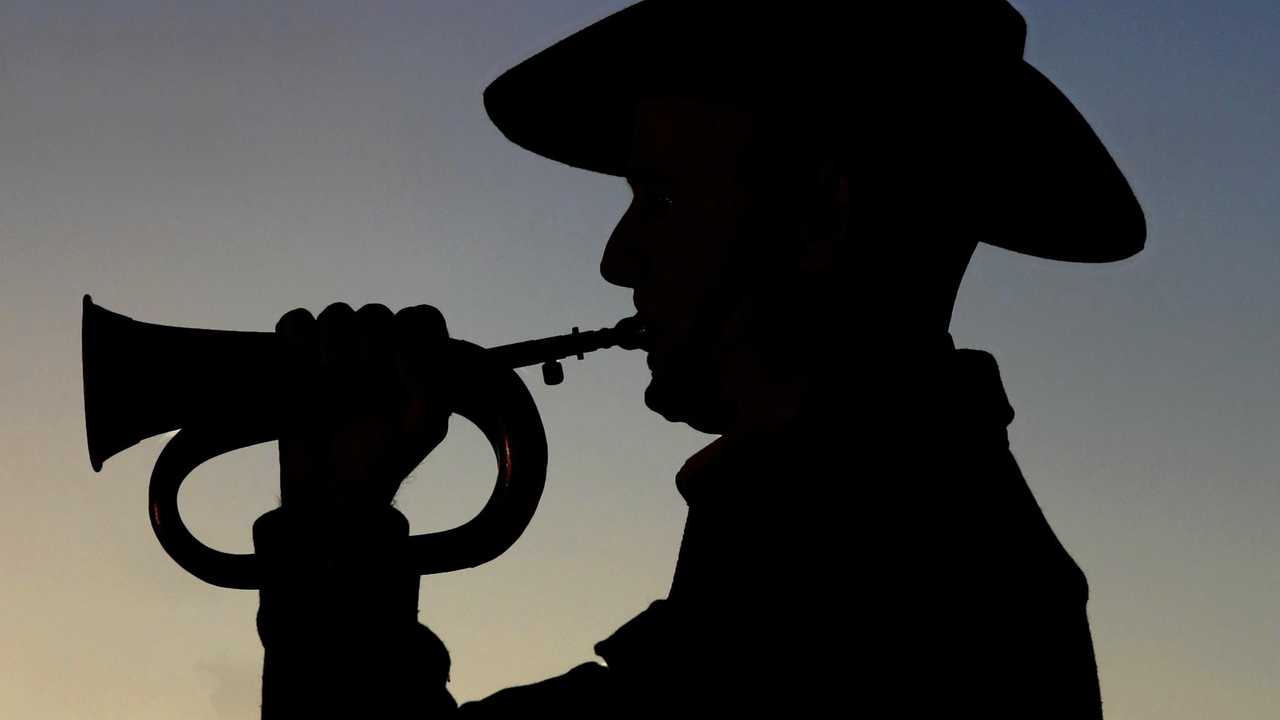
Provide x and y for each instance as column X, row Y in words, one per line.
column 671, row 243
column 678, row 246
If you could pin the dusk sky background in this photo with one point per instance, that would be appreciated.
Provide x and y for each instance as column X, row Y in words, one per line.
column 216, row 164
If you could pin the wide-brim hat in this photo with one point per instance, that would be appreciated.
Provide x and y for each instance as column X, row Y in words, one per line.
column 1056, row 194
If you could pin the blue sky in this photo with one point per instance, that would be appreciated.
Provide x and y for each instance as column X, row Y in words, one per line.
column 215, row 165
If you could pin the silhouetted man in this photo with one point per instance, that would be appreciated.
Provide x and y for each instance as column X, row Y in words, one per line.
column 809, row 184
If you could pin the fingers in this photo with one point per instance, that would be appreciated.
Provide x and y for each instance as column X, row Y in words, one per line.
column 342, row 333
column 421, row 341
column 366, row 394
column 424, row 372
column 300, row 347
column 421, row 335
column 300, row 463
column 374, row 333
column 373, row 362
column 335, row 332
column 356, row 352
column 362, row 351
column 425, row 319
column 295, row 324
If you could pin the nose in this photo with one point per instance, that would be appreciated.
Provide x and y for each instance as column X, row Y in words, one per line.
column 624, row 262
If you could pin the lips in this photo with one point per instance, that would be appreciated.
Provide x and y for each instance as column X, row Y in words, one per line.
column 646, row 320
column 649, row 340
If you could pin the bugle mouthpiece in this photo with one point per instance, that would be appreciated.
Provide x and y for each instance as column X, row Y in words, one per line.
column 629, row 334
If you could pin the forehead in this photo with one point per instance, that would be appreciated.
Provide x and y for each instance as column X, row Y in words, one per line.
column 684, row 137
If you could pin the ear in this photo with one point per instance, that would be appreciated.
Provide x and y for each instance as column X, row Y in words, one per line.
column 832, row 218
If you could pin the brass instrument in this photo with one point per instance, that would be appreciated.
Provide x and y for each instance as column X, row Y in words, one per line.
column 214, row 386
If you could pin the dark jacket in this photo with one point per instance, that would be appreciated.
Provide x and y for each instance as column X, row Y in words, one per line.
column 881, row 554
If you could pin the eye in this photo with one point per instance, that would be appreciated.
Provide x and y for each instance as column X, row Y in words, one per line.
column 655, row 198
column 651, row 197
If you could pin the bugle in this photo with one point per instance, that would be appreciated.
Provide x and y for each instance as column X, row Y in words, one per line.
column 214, row 387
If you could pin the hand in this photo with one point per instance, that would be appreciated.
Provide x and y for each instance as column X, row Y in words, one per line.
column 366, row 399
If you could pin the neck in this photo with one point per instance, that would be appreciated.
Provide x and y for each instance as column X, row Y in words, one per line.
column 868, row 371
column 791, row 351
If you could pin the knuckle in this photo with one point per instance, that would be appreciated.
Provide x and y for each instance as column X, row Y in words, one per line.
column 374, row 326
column 297, row 321
column 335, row 326
column 374, row 311
column 338, row 312
column 422, row 320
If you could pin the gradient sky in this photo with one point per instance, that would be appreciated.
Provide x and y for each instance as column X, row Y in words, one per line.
column 216, row 164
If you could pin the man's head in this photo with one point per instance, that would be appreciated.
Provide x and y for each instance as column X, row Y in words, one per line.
column 752, row 259
column 691, row 249
column 672, row 244
column 811, row 171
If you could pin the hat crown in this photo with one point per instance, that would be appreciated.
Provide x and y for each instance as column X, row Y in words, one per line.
column 863, row 68
column 785, row 34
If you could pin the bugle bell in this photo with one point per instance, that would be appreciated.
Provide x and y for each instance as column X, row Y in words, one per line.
column 215, row 386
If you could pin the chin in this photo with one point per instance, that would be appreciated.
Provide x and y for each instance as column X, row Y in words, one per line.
column 684, row 403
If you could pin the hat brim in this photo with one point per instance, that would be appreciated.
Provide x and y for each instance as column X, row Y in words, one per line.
column 1061, row 195
column 1064, row 197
